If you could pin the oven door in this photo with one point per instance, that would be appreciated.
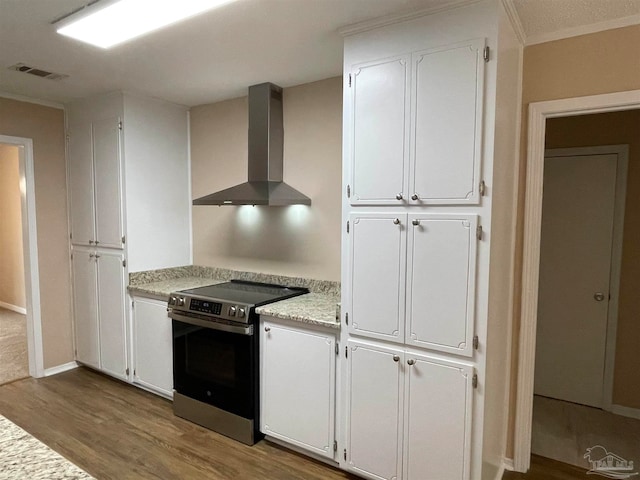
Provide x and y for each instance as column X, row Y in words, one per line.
column 215, row 366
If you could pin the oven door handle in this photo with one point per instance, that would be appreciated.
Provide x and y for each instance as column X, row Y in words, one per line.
column 213, row 325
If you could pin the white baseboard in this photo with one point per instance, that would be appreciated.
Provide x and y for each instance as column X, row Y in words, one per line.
column 60, row 368
column 13, row 308
column 626, row 411
column 507, row 464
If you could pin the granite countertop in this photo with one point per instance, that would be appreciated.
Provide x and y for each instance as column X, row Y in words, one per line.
column 161, row 289
column 312, row 308
column 316, row 308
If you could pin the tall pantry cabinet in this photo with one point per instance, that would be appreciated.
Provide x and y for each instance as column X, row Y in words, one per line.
column 129, row 210
column 419, row 143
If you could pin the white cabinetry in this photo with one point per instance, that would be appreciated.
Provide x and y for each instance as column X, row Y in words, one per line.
column 152, row 348
column 422, row 128
column 419, row 401
column 298, row 376
column 129, row 210
column 98, row 300
column 431, row 257
column 416, row 126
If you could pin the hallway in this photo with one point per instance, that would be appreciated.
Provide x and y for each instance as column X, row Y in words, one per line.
column 14, row 363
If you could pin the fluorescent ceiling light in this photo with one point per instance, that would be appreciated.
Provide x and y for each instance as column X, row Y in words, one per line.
column 108, row 23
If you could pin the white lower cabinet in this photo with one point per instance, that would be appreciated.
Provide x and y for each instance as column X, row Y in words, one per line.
column 408, row 414
column 297, row 393
column 99, row 310
column 152, row 357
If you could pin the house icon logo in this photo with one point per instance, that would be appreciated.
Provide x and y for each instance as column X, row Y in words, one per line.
column 608, row 464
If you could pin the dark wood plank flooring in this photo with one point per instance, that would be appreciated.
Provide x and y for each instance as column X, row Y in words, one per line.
column 546, row 469
column 116, row 431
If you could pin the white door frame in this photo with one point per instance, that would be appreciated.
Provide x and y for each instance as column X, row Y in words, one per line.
column 538, row 114
column 620, row 195
column 30, row 248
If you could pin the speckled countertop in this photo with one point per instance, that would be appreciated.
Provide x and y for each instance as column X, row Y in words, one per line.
column 312, row 308
column 317, row 307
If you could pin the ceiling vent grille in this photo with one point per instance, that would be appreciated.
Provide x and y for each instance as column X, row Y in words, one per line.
column 38, row 72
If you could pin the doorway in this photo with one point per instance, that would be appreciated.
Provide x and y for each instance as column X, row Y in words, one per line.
column 539, row 114
column 24, row 149
column 580, row 255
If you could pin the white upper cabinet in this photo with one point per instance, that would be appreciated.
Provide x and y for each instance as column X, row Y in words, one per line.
column 441, row 271
column 416, row 127
column 438, row 413
column 380, row 134
column 108, row 182
column 447, row 86
column 377, row 251
column 81, row 200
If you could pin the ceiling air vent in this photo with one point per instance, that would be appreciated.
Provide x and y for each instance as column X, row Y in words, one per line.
column 38, row 72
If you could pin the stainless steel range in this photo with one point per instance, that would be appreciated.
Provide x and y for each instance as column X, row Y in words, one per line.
column 215, row 354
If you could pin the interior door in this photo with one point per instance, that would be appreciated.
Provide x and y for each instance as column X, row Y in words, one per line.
column 575, row 267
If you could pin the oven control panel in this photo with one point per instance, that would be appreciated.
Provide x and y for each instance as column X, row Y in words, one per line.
column 209, row 307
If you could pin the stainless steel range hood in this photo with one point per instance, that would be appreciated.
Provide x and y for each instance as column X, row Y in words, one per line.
column 266, row 137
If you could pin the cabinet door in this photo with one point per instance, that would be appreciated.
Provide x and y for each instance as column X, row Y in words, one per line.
column 152, row 346
column 439, row 398
column 298, row 387
column 374, row 410
column 80, row 168
column 111, row 313
column 379, row 136
column 85, row 310
column 377, row 275
column 108, row 182
column 446, row 134
column 441, row 275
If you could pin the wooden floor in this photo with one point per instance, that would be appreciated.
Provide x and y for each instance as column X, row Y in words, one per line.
column 116, row 431
column 547, row 469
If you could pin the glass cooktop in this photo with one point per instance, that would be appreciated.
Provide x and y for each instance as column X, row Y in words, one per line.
column 248, row 293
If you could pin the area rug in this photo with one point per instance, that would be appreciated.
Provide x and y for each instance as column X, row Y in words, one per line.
column 25, row 457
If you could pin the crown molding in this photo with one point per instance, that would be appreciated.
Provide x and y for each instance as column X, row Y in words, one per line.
column 373, row 23
column 583, row 30
column 37, row 101
column 514, row 19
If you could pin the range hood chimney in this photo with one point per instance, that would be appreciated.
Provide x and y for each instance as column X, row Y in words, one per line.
column 266, row 138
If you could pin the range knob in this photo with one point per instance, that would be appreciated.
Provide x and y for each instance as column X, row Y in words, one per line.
column 172, row 300
column 232, row 311
column 181, row 301
column 241, row 312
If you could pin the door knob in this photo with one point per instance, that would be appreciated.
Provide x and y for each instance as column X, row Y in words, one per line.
column 598, row 296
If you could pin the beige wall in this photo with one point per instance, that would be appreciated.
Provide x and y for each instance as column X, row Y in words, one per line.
column 296, row 240
column 45, row 125
column 11, row 258
column 598, row 63
column 613, row 129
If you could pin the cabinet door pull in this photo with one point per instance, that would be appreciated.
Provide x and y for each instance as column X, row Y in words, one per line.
column 414, row 197
column 411, row 361
column 267, row 329
column 399, row 196
column 91, row 255
column 396, row 358
column 415, row 222
column 97, row 256
column 396, row 221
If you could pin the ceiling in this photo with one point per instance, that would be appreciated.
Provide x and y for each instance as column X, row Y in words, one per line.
column 215, row 56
